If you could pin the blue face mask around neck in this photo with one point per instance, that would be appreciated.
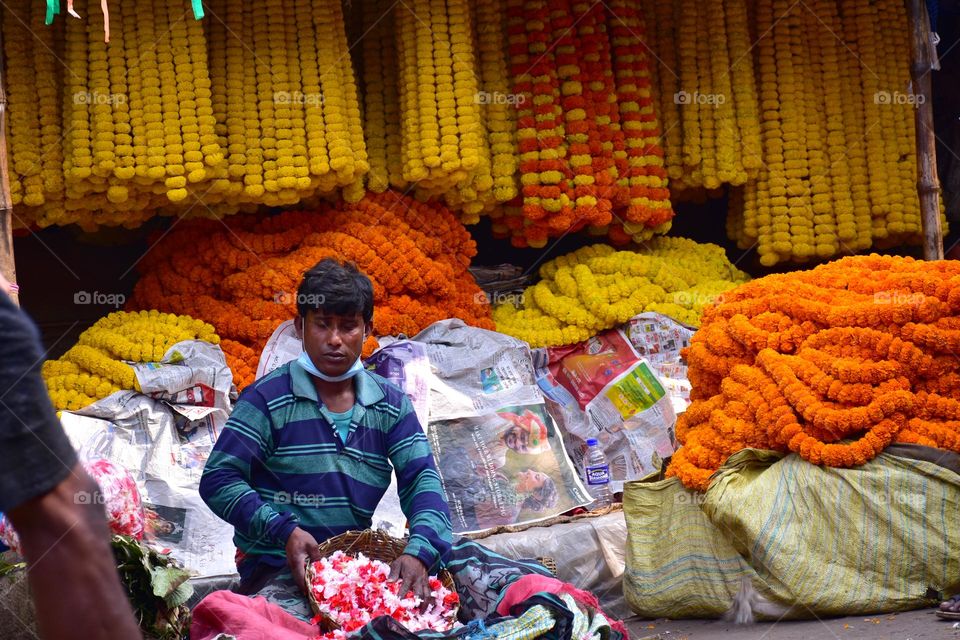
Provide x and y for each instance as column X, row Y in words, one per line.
column 311, row 368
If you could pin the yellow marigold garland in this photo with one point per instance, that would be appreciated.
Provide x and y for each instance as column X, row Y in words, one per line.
column 149, row 131
column 99, row 364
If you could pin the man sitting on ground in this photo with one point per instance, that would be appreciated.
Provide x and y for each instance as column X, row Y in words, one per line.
column 309, row 449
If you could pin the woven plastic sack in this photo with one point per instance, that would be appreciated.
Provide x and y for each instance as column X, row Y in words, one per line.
column 874, row 539
column 118, row 494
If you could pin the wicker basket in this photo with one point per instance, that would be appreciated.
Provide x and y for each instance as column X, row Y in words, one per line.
column 375, row 545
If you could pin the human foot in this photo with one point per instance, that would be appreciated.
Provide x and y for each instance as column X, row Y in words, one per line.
column 950, row 609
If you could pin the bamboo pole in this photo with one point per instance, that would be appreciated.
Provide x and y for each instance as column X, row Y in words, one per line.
column 928, row 184
column 7, row 265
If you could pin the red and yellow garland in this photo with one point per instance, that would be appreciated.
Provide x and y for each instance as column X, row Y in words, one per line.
column 245, row 280
column 833, row 364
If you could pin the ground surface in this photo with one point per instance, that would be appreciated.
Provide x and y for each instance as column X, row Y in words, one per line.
column 913, row 625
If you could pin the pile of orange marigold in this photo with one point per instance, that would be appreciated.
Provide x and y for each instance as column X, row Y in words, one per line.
column 833, row 364
column 241, row 274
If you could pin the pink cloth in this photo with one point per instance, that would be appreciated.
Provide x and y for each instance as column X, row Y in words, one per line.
column 533, row 584
column 246, row 618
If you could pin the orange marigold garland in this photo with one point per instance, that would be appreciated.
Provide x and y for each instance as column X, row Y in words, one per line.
column 649, row 209
column 833, row 364
column 587, row 131
column 245, row 282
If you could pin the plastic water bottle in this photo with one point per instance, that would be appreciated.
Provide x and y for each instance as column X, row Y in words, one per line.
column 596, row 471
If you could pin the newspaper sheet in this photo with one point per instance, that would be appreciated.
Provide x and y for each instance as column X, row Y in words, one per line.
column 192, row 372
column 164, row 440
column 282, row 347
column 476, row 371
column 616, row 387
column 405, row 364
column 659, row 339
column 500, row 456
column 141, row 434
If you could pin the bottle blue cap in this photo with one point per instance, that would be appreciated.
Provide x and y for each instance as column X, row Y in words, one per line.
column 591, row 442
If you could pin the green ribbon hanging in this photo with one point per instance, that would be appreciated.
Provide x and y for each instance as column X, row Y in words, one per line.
column 53, row 9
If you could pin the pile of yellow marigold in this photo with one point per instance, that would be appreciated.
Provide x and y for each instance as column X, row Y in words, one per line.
column 99, row 364
column 833, row 364
column 241, row 275
column 597, row 288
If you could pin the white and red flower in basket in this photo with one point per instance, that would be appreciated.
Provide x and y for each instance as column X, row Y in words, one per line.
column 354, row 591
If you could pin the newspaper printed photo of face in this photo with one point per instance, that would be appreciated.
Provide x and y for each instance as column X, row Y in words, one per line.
column 527, row 433
column 504, row 468
column 164, row 524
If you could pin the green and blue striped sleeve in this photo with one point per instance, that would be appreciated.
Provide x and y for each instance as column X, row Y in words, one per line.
column 225, row 484
column 421, row 493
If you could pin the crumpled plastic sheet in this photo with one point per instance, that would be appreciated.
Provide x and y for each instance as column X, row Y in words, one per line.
column 589, row 552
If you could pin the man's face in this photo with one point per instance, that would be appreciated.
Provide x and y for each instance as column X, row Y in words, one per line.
column 333, row 342
column 517, row 438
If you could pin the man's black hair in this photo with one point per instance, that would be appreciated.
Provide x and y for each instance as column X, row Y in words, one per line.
column 336, row 288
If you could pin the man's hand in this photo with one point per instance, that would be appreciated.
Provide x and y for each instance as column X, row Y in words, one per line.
column 67, row 544
column 413, row 574
column 301, row 546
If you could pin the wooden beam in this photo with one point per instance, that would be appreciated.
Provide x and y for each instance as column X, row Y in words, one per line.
column 928, row 184
column 7, row 265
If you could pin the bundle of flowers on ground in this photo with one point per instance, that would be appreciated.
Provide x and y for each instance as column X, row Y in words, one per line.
column 244, row 277
column 99, row 364
column 597, row 288
column 118, row 495
column 833, row 364
column 353, row 591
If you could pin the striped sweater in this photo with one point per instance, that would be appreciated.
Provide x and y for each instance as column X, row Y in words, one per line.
column 280, row 464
